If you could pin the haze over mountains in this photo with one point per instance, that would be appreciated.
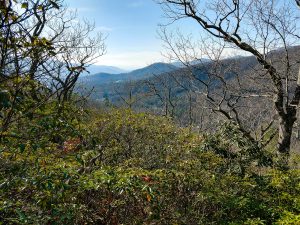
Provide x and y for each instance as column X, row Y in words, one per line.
column 143, row 73
column 99, row 75
column 115, row 86
column 93, row 69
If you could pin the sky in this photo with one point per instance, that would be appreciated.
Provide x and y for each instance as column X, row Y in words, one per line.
column 131, row 26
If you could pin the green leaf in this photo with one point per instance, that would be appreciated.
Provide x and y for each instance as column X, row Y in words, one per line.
column 24, row 5
column 4, row 99
column 79, row 159
column 22, row 216
column 22, row 147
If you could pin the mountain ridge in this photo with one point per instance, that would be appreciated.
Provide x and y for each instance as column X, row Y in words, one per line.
column 138, row 74
column 93, row 69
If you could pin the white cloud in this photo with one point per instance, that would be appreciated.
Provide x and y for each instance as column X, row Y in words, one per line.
column 131, row 60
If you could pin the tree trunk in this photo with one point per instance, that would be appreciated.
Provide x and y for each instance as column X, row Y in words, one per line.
column 285, row 135
column 285, row 132
column 287, row 121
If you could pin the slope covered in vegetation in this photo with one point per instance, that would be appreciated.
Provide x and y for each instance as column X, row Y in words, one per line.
column 120, row 167
column 62, row 162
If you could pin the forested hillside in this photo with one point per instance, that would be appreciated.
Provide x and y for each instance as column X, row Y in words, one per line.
column 178, row 95
column 211, row 142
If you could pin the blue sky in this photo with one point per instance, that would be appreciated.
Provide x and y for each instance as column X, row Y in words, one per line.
column 131, row 26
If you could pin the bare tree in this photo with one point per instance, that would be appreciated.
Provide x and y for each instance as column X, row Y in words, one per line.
column 130, row 93
column 162, row 87
column 80, row 49
column 257, row 28
column 43, row 51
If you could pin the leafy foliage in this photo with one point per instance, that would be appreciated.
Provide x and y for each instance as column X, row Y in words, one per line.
column 167, row 176
column 61, row 164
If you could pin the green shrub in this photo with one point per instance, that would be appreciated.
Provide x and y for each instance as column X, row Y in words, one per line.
column 135, row 168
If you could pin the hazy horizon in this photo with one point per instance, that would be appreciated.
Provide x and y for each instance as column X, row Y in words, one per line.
column 131, row 26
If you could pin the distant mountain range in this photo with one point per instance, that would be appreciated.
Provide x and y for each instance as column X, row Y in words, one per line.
column 114, row 86
column 194, row 62
column 139, row 74
column 93, row 69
